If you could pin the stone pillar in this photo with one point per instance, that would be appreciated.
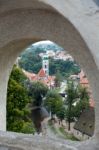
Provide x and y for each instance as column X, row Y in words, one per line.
column 8, row 55
column 96, row 95
column 93, row 75
column 3, row 92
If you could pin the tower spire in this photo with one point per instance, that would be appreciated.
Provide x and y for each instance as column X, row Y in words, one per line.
column 45, row 64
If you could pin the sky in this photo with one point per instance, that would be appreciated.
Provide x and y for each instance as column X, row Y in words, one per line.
column 43, row 42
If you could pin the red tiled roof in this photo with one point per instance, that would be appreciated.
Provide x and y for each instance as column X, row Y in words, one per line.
column 42, row 73
column 81, row 74
column 29, row 75
column 84, row 81
column 35, row 78
column 92, row 103
column 49, row 80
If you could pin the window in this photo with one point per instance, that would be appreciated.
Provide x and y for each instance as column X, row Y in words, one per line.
column 45, row 66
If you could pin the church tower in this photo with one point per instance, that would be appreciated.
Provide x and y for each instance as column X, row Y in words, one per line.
column 45, row 64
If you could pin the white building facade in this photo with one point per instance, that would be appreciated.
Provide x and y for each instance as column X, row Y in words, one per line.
column 45, row 64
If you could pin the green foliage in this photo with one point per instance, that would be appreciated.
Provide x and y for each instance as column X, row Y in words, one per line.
column 32, row 62
column 61, row 113
column 17, row 101
column 79, row 96
column 68, row 135
column 17, row 94
column 66, row 68
column 83, row 102
column 58, row 79
column 37, row 91
column 83, row 93
column 71, row 98
column 61, row 132
column 17, row 75
column 53, row 102
column 28, row 127
column 42, row 47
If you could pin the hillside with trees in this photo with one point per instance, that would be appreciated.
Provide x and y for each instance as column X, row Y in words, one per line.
column 32, row 62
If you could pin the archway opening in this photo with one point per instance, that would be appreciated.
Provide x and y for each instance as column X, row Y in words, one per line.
column 51, row 65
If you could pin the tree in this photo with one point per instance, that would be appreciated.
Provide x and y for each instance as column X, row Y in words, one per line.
column 77, row 100
column 61, row 113
column 83, row 102
column 18, row 119
column 58, row 79
column 53, row 102
column 71, row 98
column 30, row 61
column 37, row 91
column 18, row 75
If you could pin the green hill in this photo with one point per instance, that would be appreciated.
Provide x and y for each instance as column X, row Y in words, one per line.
column 32, row 62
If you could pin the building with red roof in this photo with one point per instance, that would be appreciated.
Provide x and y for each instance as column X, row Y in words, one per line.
column 42, row 77
column 84, row 126
column 85, row 83
column 41, row 73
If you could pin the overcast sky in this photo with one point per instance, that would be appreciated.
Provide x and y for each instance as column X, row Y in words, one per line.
column 43, row 42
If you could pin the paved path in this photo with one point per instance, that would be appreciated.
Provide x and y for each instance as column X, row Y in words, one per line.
column 50, row 133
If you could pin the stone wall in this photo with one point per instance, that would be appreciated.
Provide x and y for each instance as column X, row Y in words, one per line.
column 71, row 24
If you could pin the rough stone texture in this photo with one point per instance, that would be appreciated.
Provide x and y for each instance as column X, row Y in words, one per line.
column 23, row 22
column 15, row 141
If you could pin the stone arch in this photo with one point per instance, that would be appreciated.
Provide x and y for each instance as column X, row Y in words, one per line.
column 21, row 27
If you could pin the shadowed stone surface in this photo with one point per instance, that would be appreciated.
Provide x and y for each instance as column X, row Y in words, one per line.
column 29, row 142
column 15, row 141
